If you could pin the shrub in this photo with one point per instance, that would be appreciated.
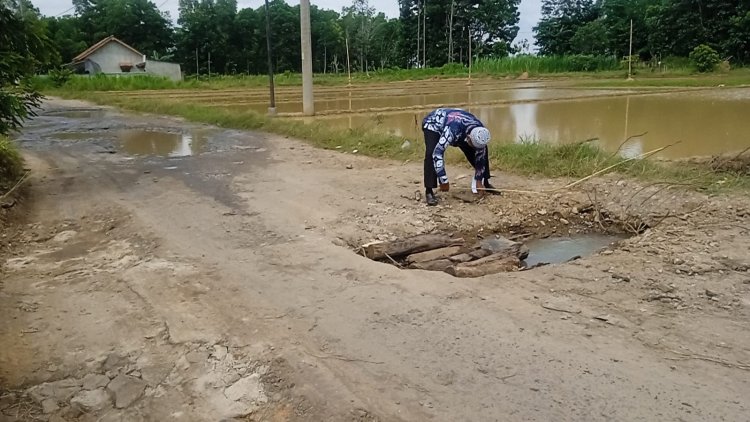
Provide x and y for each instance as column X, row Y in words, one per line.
column 11, row 164
column 704, row 58
column 60, row 77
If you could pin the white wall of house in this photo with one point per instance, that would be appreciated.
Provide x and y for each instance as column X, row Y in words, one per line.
column 109, row 57
column 170, row 70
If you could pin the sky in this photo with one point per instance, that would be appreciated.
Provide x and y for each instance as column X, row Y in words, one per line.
column 530, row 9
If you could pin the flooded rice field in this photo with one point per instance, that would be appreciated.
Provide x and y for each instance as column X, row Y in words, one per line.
column 706, row 121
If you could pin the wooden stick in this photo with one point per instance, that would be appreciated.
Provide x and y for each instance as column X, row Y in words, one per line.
column 623, row 144
column 392, row 260
column 604, row 170
column 20, row 181
column 535, row 192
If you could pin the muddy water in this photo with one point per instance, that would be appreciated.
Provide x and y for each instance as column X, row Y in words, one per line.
column 706, row 122
column 391, row 99
column 77, row 113
column 165, row 144
column 553, row 250
column 145, row 142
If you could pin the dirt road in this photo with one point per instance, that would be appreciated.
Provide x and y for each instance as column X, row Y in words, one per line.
column 222, row 285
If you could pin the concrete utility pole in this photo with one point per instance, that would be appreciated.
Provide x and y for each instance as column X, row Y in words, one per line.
column 308, row 102
column 272, row 104
column 630, row 54
column 424, row 34
column 450, row 35
column 469, row 82
column 419, row 32
column 348, row 63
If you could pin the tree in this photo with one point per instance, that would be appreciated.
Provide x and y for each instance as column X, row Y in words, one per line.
column 358, row 25
column 560, row 22
column 493, row 25
column 327, row 39
column 737, row 44
column 65, row 33
column 136, row 22
column 24, row 48
column 704, row 58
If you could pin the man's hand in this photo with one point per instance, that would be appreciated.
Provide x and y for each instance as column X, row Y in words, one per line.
column 445, row 187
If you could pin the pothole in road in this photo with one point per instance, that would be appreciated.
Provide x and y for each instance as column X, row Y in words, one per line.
column 142, row 142
column 466, row 256
column 165, row 144
column 83, row 113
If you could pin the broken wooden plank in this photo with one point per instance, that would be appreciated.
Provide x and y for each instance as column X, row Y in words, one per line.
column 500, row 256
column 505, row 264
column 479, row 253
column 506, row 260
column 436, row 265
column 470, row 256
column 399, row 248
column 433, row 255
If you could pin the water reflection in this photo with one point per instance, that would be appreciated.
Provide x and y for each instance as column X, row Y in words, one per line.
column 165, row 144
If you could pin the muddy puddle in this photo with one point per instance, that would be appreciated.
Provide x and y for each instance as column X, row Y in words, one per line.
column 142, row 142
column 554, row 250
column 164, row 144
column 706, row 122
column 76, row 113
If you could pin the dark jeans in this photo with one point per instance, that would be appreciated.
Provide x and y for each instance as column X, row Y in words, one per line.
column 431, row 140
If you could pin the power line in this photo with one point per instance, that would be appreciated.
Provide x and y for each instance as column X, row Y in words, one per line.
column 71, row 8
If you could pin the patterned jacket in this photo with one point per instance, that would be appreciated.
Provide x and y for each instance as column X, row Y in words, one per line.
column 453, row 125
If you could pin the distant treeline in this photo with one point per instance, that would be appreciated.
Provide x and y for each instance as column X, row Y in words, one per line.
column 427, row 33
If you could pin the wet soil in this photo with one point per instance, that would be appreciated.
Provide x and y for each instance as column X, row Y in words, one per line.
column 222, row 285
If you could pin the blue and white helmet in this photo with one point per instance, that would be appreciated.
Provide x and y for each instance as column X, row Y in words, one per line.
column 480, row 137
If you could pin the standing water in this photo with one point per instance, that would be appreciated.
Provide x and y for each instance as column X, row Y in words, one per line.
column 705, row 121
column 553, row 250
column 166, row 144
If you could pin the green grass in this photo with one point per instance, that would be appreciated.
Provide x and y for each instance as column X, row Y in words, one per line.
column 735, row 77
column 538, row 65
column 79, row 83
column 11, row 164
column 578, row 160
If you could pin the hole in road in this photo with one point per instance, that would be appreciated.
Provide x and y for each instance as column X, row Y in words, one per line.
column 465, row 255
column 77, row 114
column 165, row 144
column 145, row 142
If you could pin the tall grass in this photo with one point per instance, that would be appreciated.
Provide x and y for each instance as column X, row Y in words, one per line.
column 577, row 66
column 578, row 160
column 150, row 82
column 11, row 164
column 546, row 64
